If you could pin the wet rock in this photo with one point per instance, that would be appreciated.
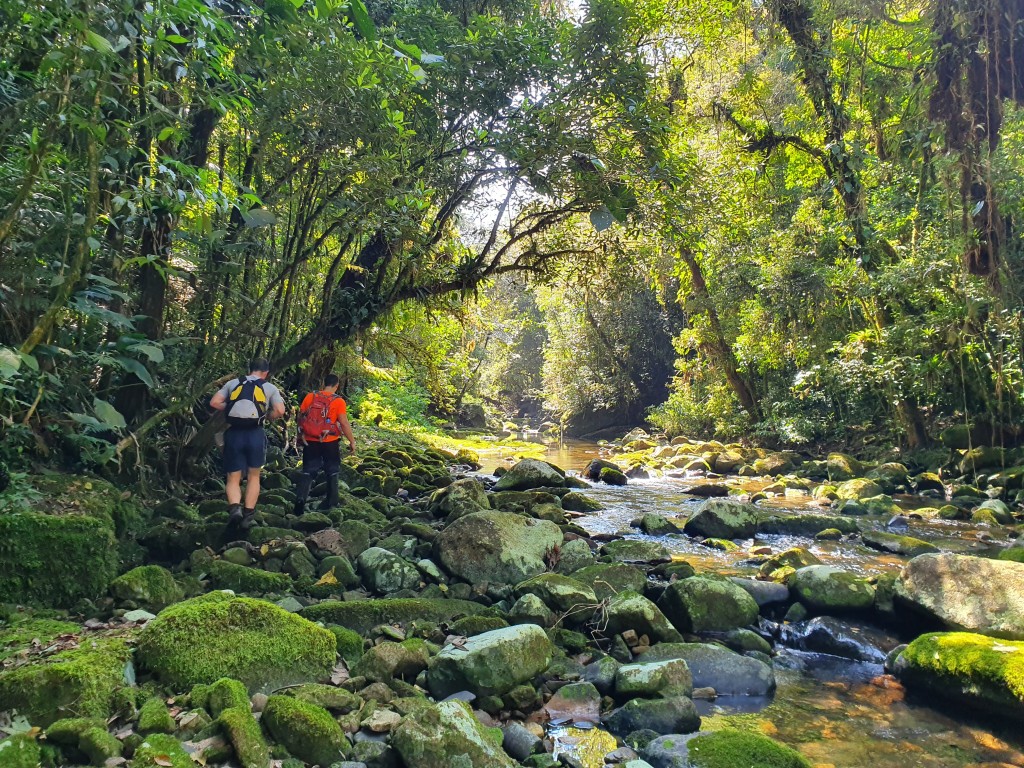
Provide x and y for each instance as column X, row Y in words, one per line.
column 967, row 593
column 796, row 557
column 763, row 592
column 974, row 670
column 805, row 525
column 714, row 666
column 519, row 742
column 630, row 611
column 898, row 545
column 491, row 663
column 928, row 481
column 723, row 519
column 385, row 572
column 361, row 616
column 655, row 525
column 280, row 648
column 859, row 489
column 497, row 547
column 704, row 604
column 826, row 634
column 726, row 747
column 438, row 736
column 529, row 474
column 593, row 469
column 676, row 714
column 611, row 476
column 580, row 502
column 828, row 589
column 654, row 678
column 704, row 490
column 609, row 579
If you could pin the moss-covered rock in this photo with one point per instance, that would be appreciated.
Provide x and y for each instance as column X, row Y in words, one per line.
column 80, row 682
column 363, row 615
column 612, row 476
column 242, row 730
column 562, row 594
column 976, row 670
column 154, row 717
column 635, row 551
column 20, row 751
column 676, row 714
column 250, row 640
column 840, row 466
column 974, row 594
column 608, row 579
column 982, row 457
column 805, row 524
column 333, row 699
column 460, row 498
column 702, row 604
column 161, row 751
column 220, row 695
column 25, row 629
column 858, row 489
column 726, row 748
column 497, row 547
column 529, row 474
column 385, row 572
column 897, row 544
column 723, row 519
column 447, row 735
column 151, row 586
column 306, row 730
column 242, row 578
column 580, row 502
column 828, row 589
column 656, row 678
column 491, row 663
column 714, row 666
column 630, row 610
column 387, row 661
column 795, row 557
column 83, row 736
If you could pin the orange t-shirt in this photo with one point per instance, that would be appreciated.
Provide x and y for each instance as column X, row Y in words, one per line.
column 334, row 413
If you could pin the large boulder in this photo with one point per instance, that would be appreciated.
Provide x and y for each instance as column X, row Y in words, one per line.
column 530, row 473
column 859, row 489
column 151, row 586
column 497, row 547
column 306, row 730
column 676, row 714
column 827, row 589
column 726, row 748
column 653, row 678
column 562, row 594
column 385, row 572
column 609, row 579
column 460, row 498
column 629, row 610
column 491, row 663
column 897, row 544
column 701, row 604
column 843, row 467
column 723, row 519
column 714, row 666
column 970, row 669
column 974, row 594
column 447, row 735
column 219, row 635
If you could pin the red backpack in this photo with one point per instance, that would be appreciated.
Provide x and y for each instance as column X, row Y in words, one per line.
column 315, row 421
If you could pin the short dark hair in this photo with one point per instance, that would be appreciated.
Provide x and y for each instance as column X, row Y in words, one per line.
column 259, row 364
column 331, row 380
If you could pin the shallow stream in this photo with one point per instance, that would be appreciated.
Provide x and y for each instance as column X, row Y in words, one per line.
column 837, row 712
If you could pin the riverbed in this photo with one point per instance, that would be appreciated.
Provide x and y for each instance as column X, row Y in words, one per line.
column 837, row 712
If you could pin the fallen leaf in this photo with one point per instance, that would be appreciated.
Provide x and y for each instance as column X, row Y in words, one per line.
column 328, row 579
column 164, row 761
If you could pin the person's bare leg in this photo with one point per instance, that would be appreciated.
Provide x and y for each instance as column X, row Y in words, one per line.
column 252, row 488
column 234, row 487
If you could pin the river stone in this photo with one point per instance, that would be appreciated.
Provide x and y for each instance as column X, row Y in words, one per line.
column 655, row 525
column 654, row 678
column 529, row 474
column 609, row 579
column 574, row 555
column 805, row 525
column 763, row 592
column 982, row 457
column 635, row 551
column 562, row 594
column 1000, row 512
column 701, row 604
column 497, row 547
column 825, row 634
column 580, row 502
column 386, row 661
column 828, row 589
column 460, row 498
column 492, row 663
column 726, row 748
column 714, row 666
column 723, row 519
column 974, row 670
column 897, row 544
column 795, row 557
column 676, row 714
column 306, row 730
column 530, row 609
column 974, row 594
column 593, row 469
column 843, row 467
column 859, row 489
column 629, row 610
column 447, row 735
column 385, row 572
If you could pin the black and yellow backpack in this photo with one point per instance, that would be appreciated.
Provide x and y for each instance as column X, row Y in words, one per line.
column 247, row 404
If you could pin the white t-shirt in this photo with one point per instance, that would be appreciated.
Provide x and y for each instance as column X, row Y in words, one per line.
column 246, row 409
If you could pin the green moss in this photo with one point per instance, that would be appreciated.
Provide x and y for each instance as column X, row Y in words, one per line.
column 240, row 578
column 1013, row 554
column 99, row 745
column 242, row 730
column 729, row 749
column 55, row 560
column 363, row 615
column 306, row 730
column 349, row 644
column 219, row 635
column 476, row 625
column 21, row 633
column 83, row 681
column 161, row 751
column 150, row 585
column 327, row 696
column 982, row 670
column 67, row 731
column 155, row 718
column 20, row 751
column 220, row 695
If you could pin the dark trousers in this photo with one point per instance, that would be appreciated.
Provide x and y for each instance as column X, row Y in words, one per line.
column 317, row 458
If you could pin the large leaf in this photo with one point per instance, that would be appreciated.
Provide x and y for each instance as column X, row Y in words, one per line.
column 10, row 362
column 361, row 19
column 152, row 351
column 259, row 217
column 108, row 414
column 134, row 366
column 601, row 218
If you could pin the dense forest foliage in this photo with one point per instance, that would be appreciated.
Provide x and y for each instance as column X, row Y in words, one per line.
column 791, row 220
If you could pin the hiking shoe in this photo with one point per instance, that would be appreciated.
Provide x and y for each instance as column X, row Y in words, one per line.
column 248, row 519
column 235, row 515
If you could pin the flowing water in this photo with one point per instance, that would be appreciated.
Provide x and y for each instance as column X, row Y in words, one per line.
column 837, row 712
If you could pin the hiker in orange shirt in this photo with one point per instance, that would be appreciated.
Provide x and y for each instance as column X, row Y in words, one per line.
column 322, row 422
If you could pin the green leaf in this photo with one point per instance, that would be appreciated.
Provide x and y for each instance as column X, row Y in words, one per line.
column 134, row 366
column 176, row 39
column 108, row 414
column 29, row 361
column 97, row 42
column 10, row 362
column 410, row 50
column 152, row 351
column 259, row 217
column 361, row 19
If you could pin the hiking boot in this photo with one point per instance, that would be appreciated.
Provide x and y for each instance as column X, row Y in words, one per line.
column 248, row 519
column 235, row 515
column 331, row 500
column 305, row 482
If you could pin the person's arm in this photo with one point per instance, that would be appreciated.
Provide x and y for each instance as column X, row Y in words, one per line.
column 346, row 430
column 220, row 400
column 276, row 406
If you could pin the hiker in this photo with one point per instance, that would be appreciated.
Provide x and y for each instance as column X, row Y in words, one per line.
column 322, row 422
column 247, row 402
